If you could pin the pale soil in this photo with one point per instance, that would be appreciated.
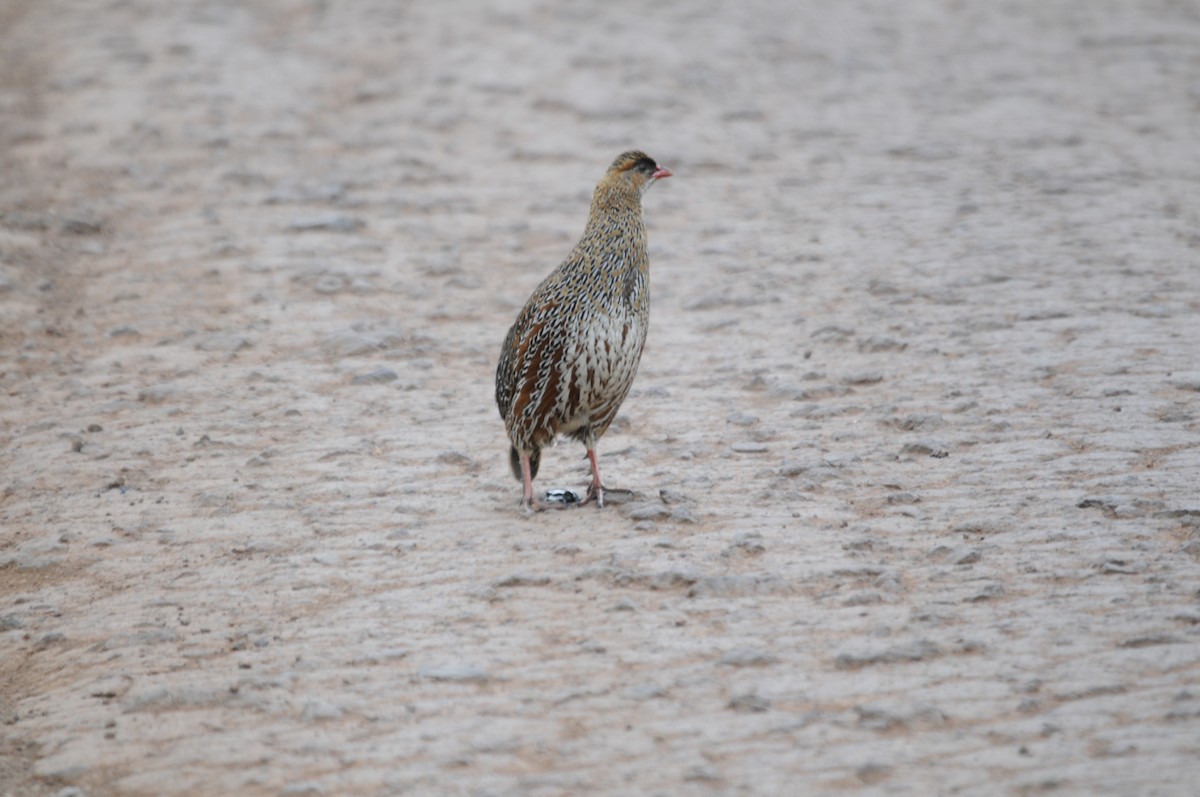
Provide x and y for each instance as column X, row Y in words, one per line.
column 916, row 437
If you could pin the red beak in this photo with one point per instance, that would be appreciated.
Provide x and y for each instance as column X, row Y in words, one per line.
column 662, row 172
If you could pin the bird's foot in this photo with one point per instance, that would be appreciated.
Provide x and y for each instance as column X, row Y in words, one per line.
column 595, row 492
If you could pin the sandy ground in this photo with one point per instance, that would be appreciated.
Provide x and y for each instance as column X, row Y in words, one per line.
column 915, row 441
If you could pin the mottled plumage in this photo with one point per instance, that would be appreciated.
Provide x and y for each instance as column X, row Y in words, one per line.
column 569, row 360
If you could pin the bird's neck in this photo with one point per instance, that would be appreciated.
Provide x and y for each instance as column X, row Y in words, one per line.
column 611, row 200
column 615, row 212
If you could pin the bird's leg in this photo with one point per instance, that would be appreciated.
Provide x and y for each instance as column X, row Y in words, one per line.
column 594, row 489
column 527, row 501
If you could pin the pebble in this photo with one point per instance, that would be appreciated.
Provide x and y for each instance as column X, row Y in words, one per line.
column 82, row 223
column 917, row 421
column 222, row 342
column 876, row 344
column 378, row 376
column 158, row 394
column 925, row 448
column 702, row 772
column 683, row 514
column 380, row 656
column 748, row 657
column 647, row 691
column 647, row 510
column 832, row 333
column 917, row 650
column 305, row 191
column 862, row 378
column 747, row 544
column 11, row 622
column 750, row 447
column 1186, row 381
column 456, row 672
column 521, row 580
column 964, row 556
column 329, row 283
column 331, row 222
column 321, row 710
column 750, row 703
column 50, row 639
column 738, row 585
column 988, row 593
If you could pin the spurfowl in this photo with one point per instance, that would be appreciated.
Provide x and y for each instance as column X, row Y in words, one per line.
column 569, row 360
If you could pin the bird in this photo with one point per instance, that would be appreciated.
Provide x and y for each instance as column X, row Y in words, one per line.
column 569, row 359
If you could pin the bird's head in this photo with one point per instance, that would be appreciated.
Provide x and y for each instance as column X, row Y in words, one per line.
column 637, row 170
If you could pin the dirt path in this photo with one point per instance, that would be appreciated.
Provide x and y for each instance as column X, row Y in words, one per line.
column 916, row 437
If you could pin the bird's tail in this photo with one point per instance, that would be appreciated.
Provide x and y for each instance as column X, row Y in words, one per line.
column 514, row 462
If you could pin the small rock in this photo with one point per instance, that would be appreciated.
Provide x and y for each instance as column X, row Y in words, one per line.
column 863, row 378
column 925, row 448
column 917, row 650
column 82, row 223
column 749, row 703
column 329, row 283
column 867, row 598
column 298, row 191
column 1149, row 641
column 321, row 710
column 749, row 447
column 737, row 585
column 458, row 672
column 379, row 656
column 521, row 580
column 987, row 593
column 10, row 622
column 872, row 772
column 1186, row 381
column 682, row 514
column 376, row 377
column 877, row 344
column 647, row 510
column 1118, row 567
column 222, row 343
column 156, row 394
column 748, row 657
column 964, row 556
column 749, row 544
column 916, row 421
column 647, row 691
column 702, row 772
column 831, row 333
column 457, row 458
column 46, row 640
column 331, row 222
